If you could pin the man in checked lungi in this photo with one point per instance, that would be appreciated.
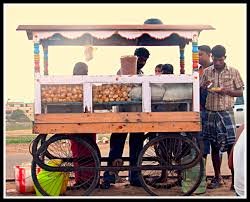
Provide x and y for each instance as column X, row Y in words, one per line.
column 220, row 128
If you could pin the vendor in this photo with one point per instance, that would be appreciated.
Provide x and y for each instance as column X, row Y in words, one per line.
column 117, row 140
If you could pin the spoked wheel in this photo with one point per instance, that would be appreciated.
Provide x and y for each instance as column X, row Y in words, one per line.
column 37, row 142
column 75, row 163
column 170, row 165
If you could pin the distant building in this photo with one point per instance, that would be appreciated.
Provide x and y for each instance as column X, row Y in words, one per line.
column 27, row 108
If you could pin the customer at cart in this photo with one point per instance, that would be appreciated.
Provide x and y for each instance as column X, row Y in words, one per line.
column 78, row 150
column 219, row 128
column 117, row 140
column 204, row 62
column 165, row 69
column 158, row 69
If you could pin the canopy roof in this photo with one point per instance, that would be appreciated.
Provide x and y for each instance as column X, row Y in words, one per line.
column 114, row 35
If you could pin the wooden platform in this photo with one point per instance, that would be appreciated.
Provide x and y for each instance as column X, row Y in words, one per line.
column 117, row 122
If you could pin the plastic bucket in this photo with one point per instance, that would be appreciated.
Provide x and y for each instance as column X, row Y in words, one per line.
column 190, row 175
column 23, row 179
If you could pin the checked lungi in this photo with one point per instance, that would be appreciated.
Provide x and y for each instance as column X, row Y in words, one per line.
column 219, row 129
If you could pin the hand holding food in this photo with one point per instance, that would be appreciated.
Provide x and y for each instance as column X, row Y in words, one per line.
column 207, row 85
column 225, row 91
column 215, row 89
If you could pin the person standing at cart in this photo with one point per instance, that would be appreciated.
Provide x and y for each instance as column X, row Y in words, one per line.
column 78, row 150
column 165, row 69
column 204, row 61
column 117, row 140
column 158, row 69
column 219, row 128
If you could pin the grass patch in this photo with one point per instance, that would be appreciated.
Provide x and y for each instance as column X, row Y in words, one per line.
column 27, row 138
column 20, row 139
column 18, row 126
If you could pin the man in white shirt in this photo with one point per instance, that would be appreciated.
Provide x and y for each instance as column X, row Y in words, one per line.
column 239, row 154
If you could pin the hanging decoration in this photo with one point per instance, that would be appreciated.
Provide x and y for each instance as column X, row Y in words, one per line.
column 45, row 60
column 182, row 60
column 36, row 54
column 195, row 52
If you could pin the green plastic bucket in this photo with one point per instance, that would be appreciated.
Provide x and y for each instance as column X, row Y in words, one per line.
column 189, row 178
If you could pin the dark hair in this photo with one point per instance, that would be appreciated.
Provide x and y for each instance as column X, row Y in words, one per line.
column 158, row 66
column 153, row 21
column 142, row 52
column 205, row 48
column 167, row 69
column 80, row 68
column 218, row 51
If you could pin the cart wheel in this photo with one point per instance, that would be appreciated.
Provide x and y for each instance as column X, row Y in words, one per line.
column 166, row 163
column 37, row 142
column 41, row 138
column 82, row 156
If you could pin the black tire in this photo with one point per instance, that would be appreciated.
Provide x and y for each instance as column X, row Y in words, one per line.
column 59, row 147
column 37, row 142
column 163, row 162
column 87, row 139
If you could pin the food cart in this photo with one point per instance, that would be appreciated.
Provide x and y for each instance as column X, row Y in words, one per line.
column 57, row 119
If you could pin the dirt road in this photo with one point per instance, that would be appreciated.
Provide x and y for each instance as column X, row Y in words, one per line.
column 122, row 189
column 16, row 151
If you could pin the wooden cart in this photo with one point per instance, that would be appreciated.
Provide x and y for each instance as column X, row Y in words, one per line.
column 174, row 153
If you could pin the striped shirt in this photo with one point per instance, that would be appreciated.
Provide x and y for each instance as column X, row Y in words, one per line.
column 228, row 78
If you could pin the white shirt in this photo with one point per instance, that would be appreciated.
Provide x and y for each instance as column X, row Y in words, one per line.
column 239, row 159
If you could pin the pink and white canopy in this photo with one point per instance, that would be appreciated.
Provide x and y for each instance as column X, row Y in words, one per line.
column 156, row 31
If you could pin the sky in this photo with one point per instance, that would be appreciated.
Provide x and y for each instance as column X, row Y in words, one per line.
column 229, row 21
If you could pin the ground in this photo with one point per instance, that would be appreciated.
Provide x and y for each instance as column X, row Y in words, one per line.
column 121, row 189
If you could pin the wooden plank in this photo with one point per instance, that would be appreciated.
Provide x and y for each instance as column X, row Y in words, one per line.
column 116, row 127
column 157, row 27
column 121, row 117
